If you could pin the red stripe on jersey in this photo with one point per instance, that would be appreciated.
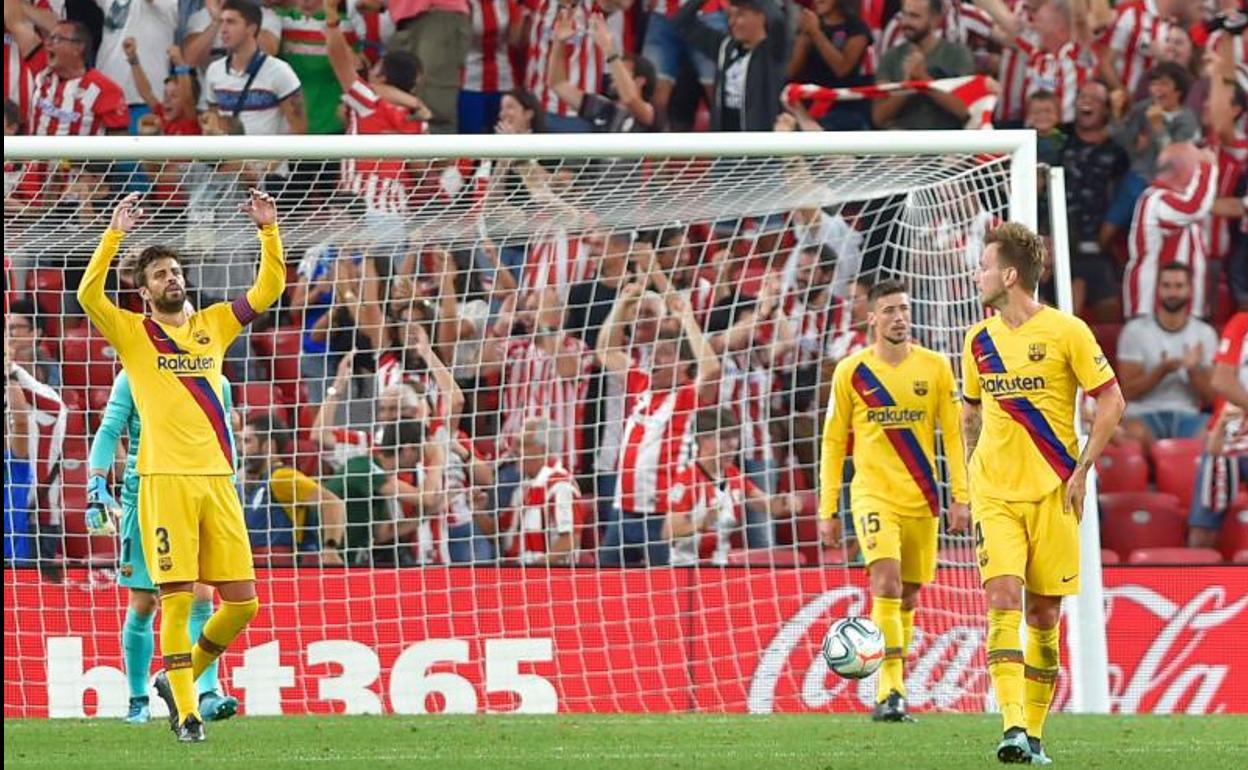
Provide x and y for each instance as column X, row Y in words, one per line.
column 83, row 106
column 654, row 442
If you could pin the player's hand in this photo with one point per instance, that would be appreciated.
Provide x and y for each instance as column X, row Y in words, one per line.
column 100, row 503
column 959, row 519
column 1076, row 485
column 127, row 214
column 830, row 532
column 261, row 207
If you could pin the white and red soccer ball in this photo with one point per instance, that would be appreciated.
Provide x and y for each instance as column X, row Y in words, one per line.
column 853, row 648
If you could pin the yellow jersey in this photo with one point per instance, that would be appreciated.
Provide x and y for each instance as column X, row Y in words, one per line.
column 175, row 371
column 894, row 412
column 1027, row 447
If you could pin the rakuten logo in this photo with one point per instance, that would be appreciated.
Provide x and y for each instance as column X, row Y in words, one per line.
column 1002, row 386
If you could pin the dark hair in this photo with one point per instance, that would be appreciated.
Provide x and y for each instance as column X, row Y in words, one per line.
column 272, row 429
column 1042, row 95
column 13, row 114
column 712, row 420
column 402, row 69
column 1021, row 249
column 195, row 87
column 250, row 11
column 1175, row 73
column 400, row 434
column 643, row 68
column 885, row 288
column 1177, row 267
column 531, row 104
column 138, row 266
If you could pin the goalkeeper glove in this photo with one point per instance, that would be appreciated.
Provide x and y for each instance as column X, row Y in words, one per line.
column 101, row 507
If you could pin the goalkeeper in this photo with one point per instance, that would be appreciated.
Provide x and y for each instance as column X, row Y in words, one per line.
column 137, row 644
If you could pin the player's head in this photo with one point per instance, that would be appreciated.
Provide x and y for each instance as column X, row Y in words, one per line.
column 157, row 273
column 400, row 69
column 673, row 360
column 240, row 23
column 1092, row 106
column 1174, row 287
column 920, row 18
column 69, row 46
column 1168, row 84
column 536, row 439
column 888, row 312
column 1012, row 261
column 1043, row 113
column 716, row 431
column 400, row 445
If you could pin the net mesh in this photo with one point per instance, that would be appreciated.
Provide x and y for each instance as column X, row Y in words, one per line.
column 469, row 298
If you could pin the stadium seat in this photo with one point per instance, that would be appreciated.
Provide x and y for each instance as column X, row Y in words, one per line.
column 308, row 458
column 273, row 556
column 1109, row 557
column 251, row 396
column 1131, row 520
column 1234, row 535
column 766, row 557
column 80, row 547
column 832, row 556
column 1106, row 335
column 1122, row 472
column 87, row 360
column 1175, row 462
column 1240, row 557
column 47, row 287
column 1175, row 556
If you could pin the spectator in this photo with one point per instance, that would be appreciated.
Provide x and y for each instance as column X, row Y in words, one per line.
column 684, row 373
column 204, row 44
column 707, row 492
column 285, row 509
column 520, row 112
column 97, row 105
column 261, row 90
column 670, row 53
column 25, row 348
column 626, row 106
column 1136, row 41
column 750, row 58
column 590, row 302
column 587, row 59
column 153, row 24
column 543, row 513
column 24, row 54
column 1169, row 220
column 1042, row 117
column 1156, row 122
column 498, row 28
column 1164, row 363
column 1226, row 459
column 925, row 56
column 438, row 33
column 19, row 529
column 830, row 50
column 304, row 30
column 1095, row 165
column 174, row 114
column 1227, row 136
column 338, row 296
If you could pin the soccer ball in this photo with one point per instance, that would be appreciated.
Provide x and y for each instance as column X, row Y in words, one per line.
column 853, row 648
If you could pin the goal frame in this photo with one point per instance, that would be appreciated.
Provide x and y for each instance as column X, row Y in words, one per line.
column 1084, row 614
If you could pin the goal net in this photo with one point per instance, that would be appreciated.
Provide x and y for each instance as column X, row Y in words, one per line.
column 466, row 372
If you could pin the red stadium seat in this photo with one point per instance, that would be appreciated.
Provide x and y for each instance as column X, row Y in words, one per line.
column 87, row 360
column 261, row 396
column 764, row 557
column 1106, row 335
column 1240, row 557
column 273, row 556
column 1234, row 535
column 1109, row 557
column 1176, row 556
column 308, row 458
column 832, row 556
column 47, row 286
column 1122, row 472
column 79, row 546
column 1131, row 520
column 1175, row 461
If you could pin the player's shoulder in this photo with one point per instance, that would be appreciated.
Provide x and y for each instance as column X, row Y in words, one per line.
column 980, row 326
column 1060, row 324
column 927, row 356
column 851, row 362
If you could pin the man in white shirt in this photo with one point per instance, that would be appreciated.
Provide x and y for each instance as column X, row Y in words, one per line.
column 203, row 34
column 153, row 24
column 261, row 90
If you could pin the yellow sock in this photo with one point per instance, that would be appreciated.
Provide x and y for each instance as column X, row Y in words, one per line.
column 175, row 646
column 886, row 613
column 225, row 624
column 1005, row 664
column 907, row 630
column 1042, row 660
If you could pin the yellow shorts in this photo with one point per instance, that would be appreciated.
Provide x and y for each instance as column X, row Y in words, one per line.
column 1037, row 542
column 193, row 530
column 909, row 538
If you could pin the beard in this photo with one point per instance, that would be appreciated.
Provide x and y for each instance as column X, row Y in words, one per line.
column 1174, row 304
column 896, row 339
column 169, row 305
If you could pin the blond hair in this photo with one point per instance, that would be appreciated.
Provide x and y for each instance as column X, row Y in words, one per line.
column 1019, row 248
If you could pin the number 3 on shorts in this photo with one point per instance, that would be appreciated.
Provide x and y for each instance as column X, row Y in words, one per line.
column 162, row 541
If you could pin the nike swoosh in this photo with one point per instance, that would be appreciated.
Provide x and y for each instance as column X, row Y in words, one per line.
column 1068, row 579
column 866, row 393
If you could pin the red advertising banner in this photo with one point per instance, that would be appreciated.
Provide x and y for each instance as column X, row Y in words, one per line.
column 538, row 641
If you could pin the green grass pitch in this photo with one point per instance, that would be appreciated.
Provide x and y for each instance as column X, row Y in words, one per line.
column 627, row 742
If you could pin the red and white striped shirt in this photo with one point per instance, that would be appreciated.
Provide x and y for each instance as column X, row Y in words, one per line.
column 1232, row 165
column 49, row 418
column 1063, row 73
column 1168, row 226
column 614, row 387
column 962, row 23
column 656, row 442
column 585, row 64
column 1135, row 40
column 714, row 506
column 82, row 106
column 814, row 327
column 1012, row 75
column 746, row 389
column 546, row 511
column 488, row 67
column 381, row 183
column 533, row 388
column 557, row 262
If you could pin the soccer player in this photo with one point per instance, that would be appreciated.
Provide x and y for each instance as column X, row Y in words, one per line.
column 190, row 516
column 120, row 416
column 893, row 395
column 1027, row 487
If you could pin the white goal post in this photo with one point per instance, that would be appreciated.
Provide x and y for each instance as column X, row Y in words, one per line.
column 918, row 200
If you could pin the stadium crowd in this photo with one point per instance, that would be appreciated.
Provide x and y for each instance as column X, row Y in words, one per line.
column 532, row 403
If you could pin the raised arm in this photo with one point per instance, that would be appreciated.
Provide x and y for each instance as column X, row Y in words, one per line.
column 323, row 425
column 271, row 277
column 91, row 297
column 144, row 86
column 337, row 50
column 626, row 89
column 708, row 360
column 17, row 22
column 610, row 350
column 557, row 72
column 700, row 36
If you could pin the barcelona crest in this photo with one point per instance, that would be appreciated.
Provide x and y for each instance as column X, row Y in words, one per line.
column 920, row 387
column 1035, row 351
